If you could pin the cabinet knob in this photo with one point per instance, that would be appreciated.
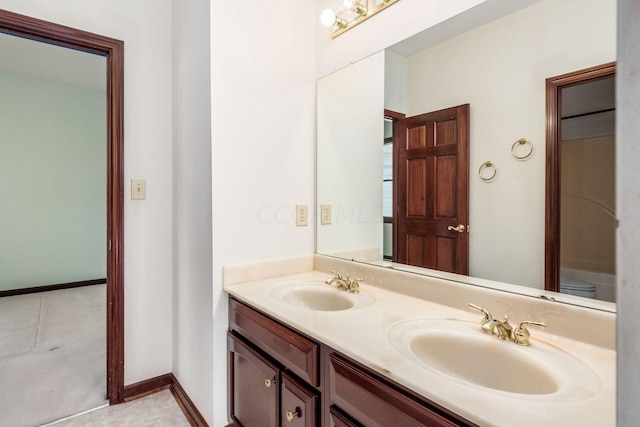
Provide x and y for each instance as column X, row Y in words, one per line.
column 292, row 414
column 268, row 382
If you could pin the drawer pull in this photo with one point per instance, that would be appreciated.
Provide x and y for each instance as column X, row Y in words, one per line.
column 292, row 414
column 268, row 382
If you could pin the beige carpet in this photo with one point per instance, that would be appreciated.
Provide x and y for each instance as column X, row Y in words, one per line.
column 52, row 355
column 159, row 409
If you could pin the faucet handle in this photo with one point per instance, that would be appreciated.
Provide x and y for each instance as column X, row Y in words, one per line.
column 487, row 315
column 521, row 334
column 335, row 273
column 354, row 285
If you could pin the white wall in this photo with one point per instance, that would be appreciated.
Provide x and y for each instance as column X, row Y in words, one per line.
column 349, row 139
column 52, row 182
column 628, row 204
column 144, row 25
column 395, row 82
column 192, row 262
column 500, row 69
column 263, row 131
column 403, row 19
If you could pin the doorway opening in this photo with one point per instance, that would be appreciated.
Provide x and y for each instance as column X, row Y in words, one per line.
column 113, row 51
column 580, row 183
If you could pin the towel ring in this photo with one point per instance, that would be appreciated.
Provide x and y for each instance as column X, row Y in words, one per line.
column 488, row 165
column 522, row 141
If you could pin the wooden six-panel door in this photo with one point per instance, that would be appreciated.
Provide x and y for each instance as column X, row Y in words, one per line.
column 432, row 190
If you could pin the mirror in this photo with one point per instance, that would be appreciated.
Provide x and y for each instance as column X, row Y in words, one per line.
column 496, row 60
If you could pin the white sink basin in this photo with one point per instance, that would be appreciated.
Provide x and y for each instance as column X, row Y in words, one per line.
column 485, row 362
column 460, row 352
column 318, row 296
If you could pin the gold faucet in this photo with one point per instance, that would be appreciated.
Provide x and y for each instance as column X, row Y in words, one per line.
column 345, row 283
column 491, row 326
column 502, row 328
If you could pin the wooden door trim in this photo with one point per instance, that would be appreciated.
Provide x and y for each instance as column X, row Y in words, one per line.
column 464, row 118
column 113, row 50
column 554, row 85
column 395, row 117
column 394, row 114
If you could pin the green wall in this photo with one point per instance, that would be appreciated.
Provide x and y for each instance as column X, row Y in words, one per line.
column 52, row 182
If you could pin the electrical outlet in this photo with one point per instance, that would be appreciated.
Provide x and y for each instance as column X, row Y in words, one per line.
column 325, row 214
column 138, row 189
column 302, row 215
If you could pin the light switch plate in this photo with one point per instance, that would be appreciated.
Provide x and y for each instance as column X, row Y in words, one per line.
column 302, row 215
column 138, row 189
column 325, row 214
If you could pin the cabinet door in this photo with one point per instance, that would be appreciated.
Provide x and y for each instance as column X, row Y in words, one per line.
column 299, row 404
column 253, row 386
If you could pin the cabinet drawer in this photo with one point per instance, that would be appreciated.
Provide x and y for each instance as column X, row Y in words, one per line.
column 299, row 406
column 375, row 403
column 299, row 354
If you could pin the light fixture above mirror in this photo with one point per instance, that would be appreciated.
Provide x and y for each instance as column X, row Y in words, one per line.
column 351, row 13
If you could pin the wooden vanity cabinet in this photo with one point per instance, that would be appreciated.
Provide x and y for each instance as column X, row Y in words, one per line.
column 273, row 372
column 280, row 378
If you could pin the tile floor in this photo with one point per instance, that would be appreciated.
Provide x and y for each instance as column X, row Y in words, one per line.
column 159, row 409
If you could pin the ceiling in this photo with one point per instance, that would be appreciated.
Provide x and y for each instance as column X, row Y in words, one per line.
column 482, row 14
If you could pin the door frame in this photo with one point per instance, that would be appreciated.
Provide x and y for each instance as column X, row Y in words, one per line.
column 554, row 86
column 395, row 119
column 113, row 50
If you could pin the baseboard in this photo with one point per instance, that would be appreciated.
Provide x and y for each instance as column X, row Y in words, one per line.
column 188, row 407
column 147, row 387
column 164, row 382
column 47, row 288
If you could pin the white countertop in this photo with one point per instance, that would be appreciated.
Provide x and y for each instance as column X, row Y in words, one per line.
column 361, row 334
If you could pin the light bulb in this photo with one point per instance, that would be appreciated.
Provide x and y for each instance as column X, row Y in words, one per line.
column 355, row 6
column 328, row 17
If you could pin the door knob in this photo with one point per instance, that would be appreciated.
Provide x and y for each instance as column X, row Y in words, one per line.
column 268, row 382
column 459, row 228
